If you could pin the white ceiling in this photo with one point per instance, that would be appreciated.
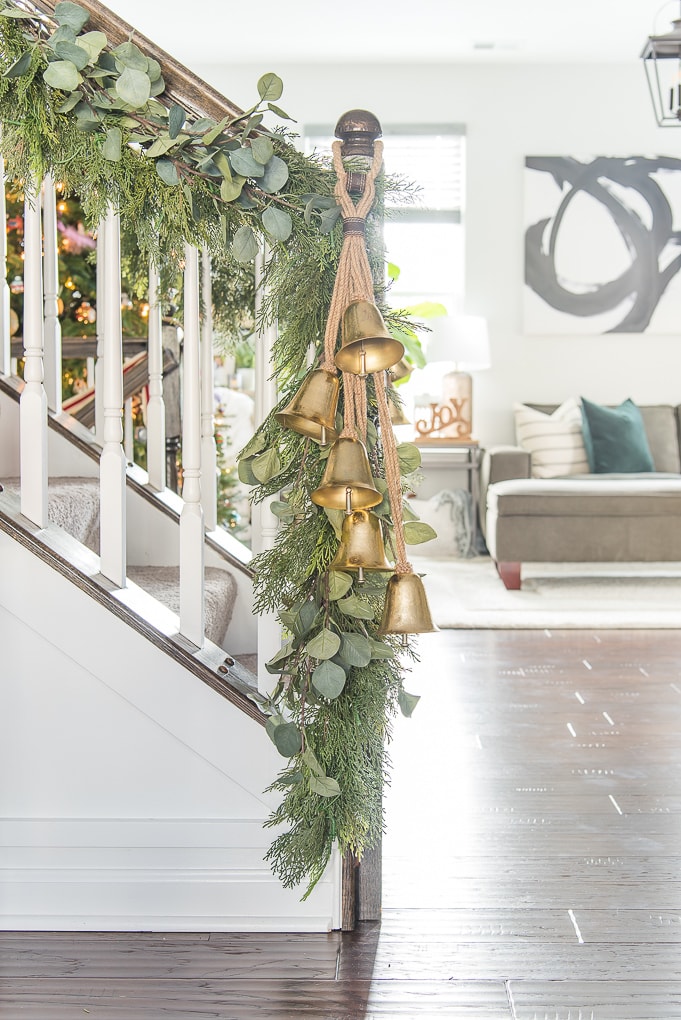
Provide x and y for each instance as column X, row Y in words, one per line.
column 273, row 33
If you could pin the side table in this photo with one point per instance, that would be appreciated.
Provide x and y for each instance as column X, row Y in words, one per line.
column 448, row 455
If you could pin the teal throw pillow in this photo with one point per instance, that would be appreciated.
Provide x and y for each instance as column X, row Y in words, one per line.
column 615, row 439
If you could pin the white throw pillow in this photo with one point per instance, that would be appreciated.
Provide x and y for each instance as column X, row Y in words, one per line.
column 554, row 440
column 449, row 513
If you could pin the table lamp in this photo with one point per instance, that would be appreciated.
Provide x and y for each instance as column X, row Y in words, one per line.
column 460, row 341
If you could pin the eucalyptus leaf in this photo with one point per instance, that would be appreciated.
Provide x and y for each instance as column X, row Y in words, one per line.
column 277, row 223
column 417, row 532
column 329, row 218
column 111, row 147
column 243, row 163
column 325, row 787
column 73, row 15
column 311, row 761
column 336, row 518
column 158, row 86
column 222, row 163
column 409, row 457
column 176, row 119
column 19, row 66
column 407, row 513
column 62, row 34
column 275, row 175
column 306, row 617
column 217, row 129
column 167, row 171
column 340, row 584
column 246, row 202
column 281, row 510
column 133, row 87
column 329, row 679
column 277, row 110
column 244, row 245
column 276, row 663
column 76, row 54
column 262, row 149
column 251, row 124
column 153, row 69
column 323, row 645
column 355, row 649
column 129, row 55
column 266, row 465
column 379, row 650
column 255, row 444
column 393, row 271
column 162, row 145
column 231, row 189
column 287, row 739
column 407, row 702
column 69, row 102
column 62, row 74
column 353, row 606
column 270, row 87
column 291, row 779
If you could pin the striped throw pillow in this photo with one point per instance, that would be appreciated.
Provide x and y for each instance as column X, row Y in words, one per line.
column 554, row 440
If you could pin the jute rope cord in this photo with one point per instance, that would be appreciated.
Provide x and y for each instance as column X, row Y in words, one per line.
column 353, row 282
column 392, row 474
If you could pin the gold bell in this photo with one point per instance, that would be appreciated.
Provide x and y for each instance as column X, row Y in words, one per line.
column 406, row 608
column 397, row 415
column 402, row 370
column 312, row 411
column 361, row 546
column 366, row 344
column 347, row 483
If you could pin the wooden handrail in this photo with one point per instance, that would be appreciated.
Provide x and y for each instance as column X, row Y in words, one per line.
column 182, row 85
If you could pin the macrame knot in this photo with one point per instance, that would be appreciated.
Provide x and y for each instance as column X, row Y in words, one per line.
column 354, row 226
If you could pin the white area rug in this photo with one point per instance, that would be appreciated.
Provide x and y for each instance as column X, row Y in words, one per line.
column 469, row 594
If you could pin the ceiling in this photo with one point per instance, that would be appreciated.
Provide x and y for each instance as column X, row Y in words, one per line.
column 273, row 33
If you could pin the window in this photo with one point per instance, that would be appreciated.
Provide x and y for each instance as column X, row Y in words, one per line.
column 425, row 239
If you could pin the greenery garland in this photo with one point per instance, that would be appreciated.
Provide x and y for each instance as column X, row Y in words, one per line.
column 95, row 118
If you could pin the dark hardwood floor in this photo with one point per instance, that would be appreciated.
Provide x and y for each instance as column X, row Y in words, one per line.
column 531, row 864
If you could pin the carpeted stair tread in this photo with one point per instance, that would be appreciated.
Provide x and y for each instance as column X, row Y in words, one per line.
column 72, row 504
column 163, row 584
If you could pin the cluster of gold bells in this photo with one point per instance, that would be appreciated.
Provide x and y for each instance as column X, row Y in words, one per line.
column 347, row 483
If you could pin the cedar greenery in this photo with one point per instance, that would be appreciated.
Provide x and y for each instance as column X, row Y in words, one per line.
column 95, row 118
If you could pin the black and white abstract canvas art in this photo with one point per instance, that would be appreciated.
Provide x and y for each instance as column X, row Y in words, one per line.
column 602, row 245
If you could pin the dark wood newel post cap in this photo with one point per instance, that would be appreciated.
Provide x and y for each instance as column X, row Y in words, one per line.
column 358, row 130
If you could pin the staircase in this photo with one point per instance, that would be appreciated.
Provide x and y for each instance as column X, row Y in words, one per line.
column 132, row 746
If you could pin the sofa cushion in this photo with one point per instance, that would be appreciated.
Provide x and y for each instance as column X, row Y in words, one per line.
column 615, row 438
column 555, row 441
column 645, row 495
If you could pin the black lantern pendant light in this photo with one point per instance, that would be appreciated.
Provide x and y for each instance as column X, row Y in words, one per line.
column 662, row 62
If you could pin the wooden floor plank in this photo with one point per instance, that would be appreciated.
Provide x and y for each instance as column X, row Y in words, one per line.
column 532, row 866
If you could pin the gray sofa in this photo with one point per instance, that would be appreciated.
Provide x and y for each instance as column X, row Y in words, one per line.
column 584, row 518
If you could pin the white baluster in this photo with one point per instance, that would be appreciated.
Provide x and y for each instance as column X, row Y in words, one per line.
column 99, row 362
column 156, row 410
column 192, row 616
column 128, row 431
column 53, row 369
column 33, row 403
column 5, row 337
column 264, row 524
column 112, row 463
column 90, row 371
column 209, row 460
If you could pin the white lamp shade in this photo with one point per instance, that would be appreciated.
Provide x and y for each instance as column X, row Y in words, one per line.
column 459, row 339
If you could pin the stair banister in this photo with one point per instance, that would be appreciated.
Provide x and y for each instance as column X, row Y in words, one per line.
column 33, row 403
column 209, row 486
column 99, row 359
column 192, row 615
column 5, row 335
column 53, row 356
column 156, row 411
column 264, row 524
column 112, row 463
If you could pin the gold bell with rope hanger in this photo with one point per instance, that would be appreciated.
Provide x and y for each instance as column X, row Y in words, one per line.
column 347, row 483
column 312, row 411
column 366, row 344
column 406, row 609
column 361, row 547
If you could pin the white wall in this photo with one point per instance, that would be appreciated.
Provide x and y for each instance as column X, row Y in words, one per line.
column 509, row 112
